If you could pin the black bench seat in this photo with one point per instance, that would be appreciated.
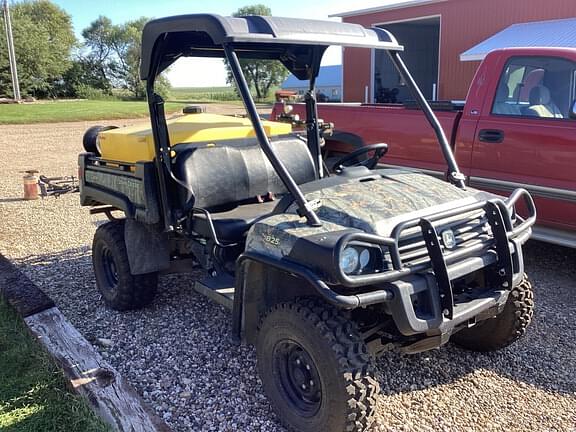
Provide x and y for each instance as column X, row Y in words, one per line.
column 227, row 174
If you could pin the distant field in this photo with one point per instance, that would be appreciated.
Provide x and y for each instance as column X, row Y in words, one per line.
column 211, row 94
column 63, row 111
column 203, row 94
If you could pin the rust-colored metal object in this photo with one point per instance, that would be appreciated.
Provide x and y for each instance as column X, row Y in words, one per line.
column 30, row 181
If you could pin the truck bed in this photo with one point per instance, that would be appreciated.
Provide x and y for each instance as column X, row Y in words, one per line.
column 393, row 124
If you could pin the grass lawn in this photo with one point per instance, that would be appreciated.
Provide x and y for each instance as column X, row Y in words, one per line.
column 33, row 393
column 63, row 111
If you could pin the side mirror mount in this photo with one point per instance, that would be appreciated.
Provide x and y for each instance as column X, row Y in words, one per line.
column 573, row 110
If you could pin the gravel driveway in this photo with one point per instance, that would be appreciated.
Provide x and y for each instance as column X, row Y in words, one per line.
column 178, row 356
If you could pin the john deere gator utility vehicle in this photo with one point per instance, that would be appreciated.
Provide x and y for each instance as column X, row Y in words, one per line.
column 322, row 271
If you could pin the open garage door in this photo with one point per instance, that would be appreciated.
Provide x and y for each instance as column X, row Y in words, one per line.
column 421, row 40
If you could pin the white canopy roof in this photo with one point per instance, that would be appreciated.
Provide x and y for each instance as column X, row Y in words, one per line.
column 556, row 33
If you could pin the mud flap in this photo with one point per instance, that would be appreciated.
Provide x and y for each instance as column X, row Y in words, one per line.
column 147, row 247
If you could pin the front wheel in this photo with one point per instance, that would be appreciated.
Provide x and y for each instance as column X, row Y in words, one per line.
column 315, row 368
column 505, row 328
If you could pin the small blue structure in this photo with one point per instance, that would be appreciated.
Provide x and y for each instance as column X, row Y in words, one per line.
column 328, row 84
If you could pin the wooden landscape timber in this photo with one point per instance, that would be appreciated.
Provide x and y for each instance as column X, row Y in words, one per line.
column 107, row 392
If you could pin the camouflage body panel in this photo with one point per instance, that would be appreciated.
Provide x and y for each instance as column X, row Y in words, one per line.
column 373, row 207
column 128, row 186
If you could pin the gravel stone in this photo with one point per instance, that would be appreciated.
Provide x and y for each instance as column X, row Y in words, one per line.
column 181, row 344
column 104, row 343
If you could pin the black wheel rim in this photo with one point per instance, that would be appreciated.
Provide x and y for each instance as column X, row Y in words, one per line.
column 297, row 377
column 109, row 270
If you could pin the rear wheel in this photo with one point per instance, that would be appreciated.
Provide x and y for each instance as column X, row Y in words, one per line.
column 315, row 368
column 504, row 329
column 120, row 289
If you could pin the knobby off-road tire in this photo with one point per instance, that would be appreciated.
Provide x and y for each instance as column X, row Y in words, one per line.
column 120, row 289
column 311, row 344
column 504, row 329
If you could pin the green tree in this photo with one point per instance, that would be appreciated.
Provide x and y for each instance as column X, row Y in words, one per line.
column 43, row 41
column 261, row 75
column 97, row 39
column 115, row 52
column 83, row 73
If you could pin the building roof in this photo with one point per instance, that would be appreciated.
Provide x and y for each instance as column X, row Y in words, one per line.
column 329, row 76
column 555, row 33
column 399, row 5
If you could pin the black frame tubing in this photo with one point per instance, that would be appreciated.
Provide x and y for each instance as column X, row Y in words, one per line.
column 454, row 175
column 161, row 140
column 312, row 132
column 304, row 207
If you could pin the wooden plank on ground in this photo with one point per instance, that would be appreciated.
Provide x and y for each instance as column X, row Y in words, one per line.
column 20, row 292
column 90, row 375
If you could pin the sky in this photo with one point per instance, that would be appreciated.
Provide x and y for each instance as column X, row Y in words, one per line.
column 195, row 72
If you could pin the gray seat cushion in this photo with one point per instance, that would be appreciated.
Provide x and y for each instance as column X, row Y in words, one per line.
column 232, row 225
column 225, row 177
column 224, row 173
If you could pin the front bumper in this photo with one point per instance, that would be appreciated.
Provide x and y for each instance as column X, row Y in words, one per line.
column 430, row 280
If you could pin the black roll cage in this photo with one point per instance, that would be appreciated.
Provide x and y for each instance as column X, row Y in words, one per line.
column 302, row 56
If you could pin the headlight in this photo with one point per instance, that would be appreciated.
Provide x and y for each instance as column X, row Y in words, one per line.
column 357, row 259
column 364, row 258
column 349, row 260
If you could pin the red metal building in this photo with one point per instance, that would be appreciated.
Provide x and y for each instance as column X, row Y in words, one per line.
column 435, row 33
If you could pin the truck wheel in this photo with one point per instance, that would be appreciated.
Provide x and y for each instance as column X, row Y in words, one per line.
column 315, row 368
column 504, row 329
column 120, row 289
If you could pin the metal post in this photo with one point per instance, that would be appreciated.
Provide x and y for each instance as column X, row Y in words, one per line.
column 11, row 55
column 305, row 209
column 454, row 175
column 312, row 132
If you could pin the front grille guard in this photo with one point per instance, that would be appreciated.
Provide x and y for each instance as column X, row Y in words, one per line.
column 498, row 213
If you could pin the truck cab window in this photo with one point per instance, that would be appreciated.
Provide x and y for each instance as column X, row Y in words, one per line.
column 536, row 87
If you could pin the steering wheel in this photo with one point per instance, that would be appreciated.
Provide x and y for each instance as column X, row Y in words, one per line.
column 379, row 151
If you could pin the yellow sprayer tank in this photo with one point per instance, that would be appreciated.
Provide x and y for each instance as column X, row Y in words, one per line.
column 135, row 143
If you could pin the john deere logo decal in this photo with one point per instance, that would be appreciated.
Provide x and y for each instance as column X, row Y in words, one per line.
column 448, row 239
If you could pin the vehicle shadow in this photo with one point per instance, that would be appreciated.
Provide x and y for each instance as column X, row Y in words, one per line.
column 544, row 358
column 185, row 326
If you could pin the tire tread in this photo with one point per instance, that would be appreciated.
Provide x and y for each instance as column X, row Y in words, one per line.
column 356, row 365
column 134, row 291
column 507, row 327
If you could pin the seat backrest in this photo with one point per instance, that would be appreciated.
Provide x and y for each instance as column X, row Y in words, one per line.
column 532, row 80
column 541, row 104
column 228, row 172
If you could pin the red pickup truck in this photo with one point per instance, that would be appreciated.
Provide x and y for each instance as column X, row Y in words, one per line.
column 517, row 128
